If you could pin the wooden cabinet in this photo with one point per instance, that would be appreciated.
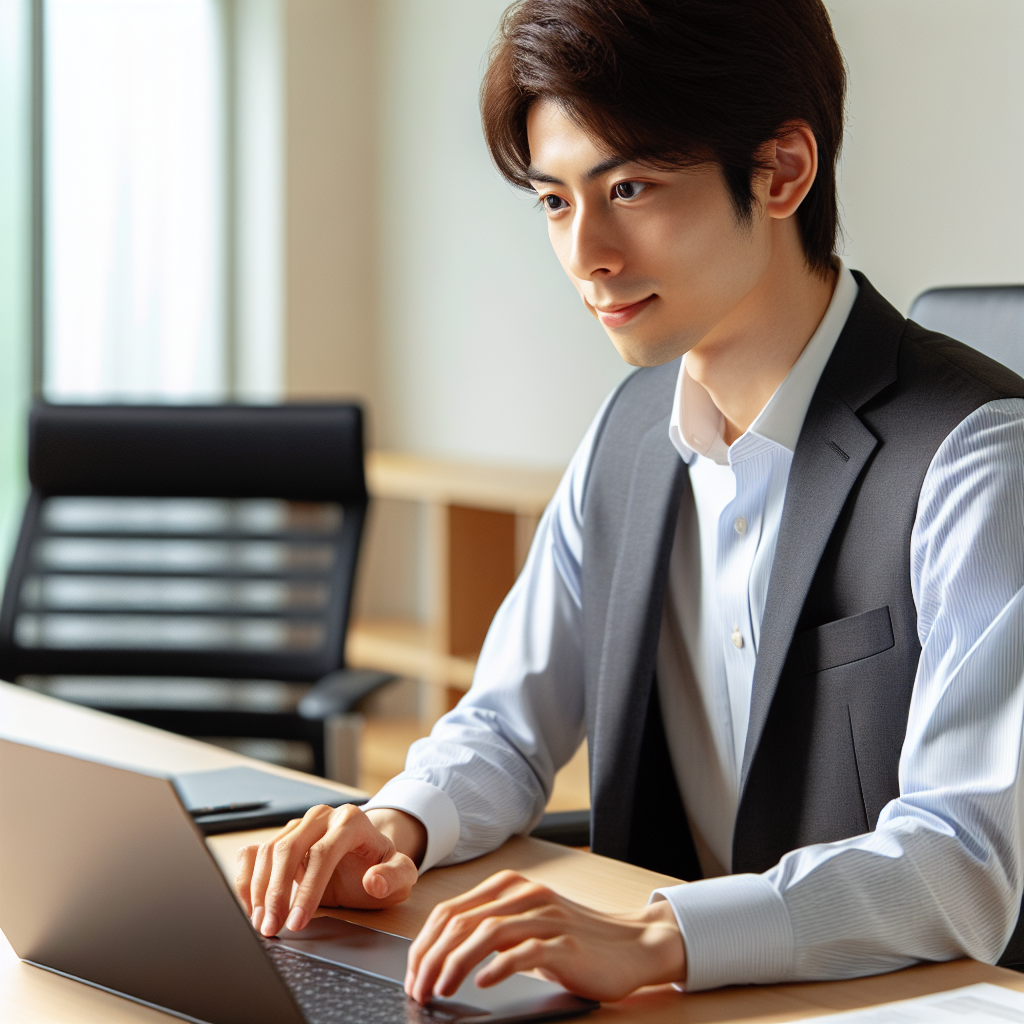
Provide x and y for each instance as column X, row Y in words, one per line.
column 481, row 520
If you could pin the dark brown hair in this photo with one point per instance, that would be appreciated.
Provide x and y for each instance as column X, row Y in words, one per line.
column 672, row 83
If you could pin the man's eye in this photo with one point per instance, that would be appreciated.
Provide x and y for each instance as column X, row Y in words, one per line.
column 628, row 189
column 554, row 203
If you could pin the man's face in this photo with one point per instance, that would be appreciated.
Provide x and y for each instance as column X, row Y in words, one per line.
column 659, row 257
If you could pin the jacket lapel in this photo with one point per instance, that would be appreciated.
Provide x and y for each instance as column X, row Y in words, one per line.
column 630, row 638
column 833, row 448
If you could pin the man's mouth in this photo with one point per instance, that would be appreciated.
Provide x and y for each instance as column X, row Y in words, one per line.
column 620, row 314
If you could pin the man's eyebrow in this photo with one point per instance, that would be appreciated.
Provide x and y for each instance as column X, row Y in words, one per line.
column 533, row 174
column 604, row 167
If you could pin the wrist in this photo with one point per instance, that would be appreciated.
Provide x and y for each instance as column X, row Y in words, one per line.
column 407, row 833
column 664, row 949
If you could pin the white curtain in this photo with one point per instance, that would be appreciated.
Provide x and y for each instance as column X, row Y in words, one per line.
column 134, row 201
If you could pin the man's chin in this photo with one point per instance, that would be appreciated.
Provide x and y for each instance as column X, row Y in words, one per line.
column 638, row 351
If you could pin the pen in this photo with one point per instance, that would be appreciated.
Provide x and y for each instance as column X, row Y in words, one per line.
column 253, row 805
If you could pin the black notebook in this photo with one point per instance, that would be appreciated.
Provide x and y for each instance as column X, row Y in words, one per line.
column 234, row 799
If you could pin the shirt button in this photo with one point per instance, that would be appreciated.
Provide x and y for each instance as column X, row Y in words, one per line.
column 740, row 525
column 737, row 636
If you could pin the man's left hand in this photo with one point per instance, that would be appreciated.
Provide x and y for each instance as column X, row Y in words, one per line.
column 597, row 956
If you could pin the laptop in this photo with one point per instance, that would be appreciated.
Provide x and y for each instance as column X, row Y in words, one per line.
column 105, row 878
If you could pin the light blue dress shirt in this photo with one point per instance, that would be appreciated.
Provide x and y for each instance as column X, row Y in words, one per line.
column 941, row 874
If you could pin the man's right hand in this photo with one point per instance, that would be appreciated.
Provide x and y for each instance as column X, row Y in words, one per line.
column 339, row 856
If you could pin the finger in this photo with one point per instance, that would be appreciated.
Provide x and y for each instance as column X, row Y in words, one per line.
column 483, row 894
column 512, row 894
column 493, row 935
column 527, row 956
column 264, row 862
column 245, row 861
column 350, row 828
column 522, row 901
column 392, row 879
column 289, row 851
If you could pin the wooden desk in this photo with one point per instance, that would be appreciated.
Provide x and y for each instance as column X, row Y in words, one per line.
column 29, row 994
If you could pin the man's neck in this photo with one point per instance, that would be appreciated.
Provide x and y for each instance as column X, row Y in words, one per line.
column 749, row 353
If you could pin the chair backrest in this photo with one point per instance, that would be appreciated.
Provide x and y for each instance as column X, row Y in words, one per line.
column 186, row 541
column 989, row 318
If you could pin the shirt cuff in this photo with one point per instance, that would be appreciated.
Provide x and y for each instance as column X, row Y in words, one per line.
column 736, row 931
column 432, row 806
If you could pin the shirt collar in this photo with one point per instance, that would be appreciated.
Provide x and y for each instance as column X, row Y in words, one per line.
column 696, row 425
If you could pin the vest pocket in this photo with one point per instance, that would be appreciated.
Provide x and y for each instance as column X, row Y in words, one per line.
column 843, row 641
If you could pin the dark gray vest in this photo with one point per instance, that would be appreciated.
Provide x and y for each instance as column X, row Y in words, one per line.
column 838, row 645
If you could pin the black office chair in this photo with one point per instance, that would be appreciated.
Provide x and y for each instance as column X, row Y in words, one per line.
column 989, row 318
column 192, row 568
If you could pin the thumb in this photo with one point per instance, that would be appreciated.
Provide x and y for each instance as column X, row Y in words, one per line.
column 391, row 879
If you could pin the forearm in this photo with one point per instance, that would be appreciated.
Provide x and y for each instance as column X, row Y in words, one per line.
column 912, row 894
column 867, row 905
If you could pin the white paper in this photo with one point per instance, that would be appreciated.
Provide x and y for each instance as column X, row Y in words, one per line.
column 973, row 1004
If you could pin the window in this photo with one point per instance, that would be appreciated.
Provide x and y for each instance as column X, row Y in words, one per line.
column 134, row 222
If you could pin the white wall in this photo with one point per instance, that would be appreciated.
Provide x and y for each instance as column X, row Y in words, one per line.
column 331, row 189
column 486, row 351
column 933, row 173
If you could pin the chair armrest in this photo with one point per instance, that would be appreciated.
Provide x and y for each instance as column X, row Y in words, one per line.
column 339, row 692
column 567, row 828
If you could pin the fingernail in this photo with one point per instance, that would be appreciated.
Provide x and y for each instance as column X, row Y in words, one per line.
column 296, row 919
column 257, row 918
column 270, row 924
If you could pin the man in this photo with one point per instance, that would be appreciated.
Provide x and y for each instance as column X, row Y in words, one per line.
column 781, row 586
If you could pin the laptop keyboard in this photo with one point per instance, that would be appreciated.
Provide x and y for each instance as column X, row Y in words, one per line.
column 331, row 994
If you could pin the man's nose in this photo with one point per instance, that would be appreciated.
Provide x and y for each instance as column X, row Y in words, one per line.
column 595, row 252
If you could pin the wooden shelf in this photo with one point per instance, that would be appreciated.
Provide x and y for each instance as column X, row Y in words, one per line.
column 513, row 489
column 482, row 519
column 407, row 649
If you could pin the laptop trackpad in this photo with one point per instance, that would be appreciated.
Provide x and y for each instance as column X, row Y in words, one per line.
column 351, row 945
column 385, row 956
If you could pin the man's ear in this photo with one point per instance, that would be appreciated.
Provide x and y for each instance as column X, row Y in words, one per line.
column 793, row 161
